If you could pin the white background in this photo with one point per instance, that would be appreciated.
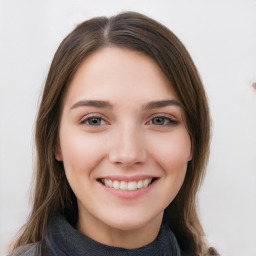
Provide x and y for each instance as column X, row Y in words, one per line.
column 221, row 37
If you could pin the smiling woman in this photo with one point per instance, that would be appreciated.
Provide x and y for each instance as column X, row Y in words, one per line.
column 122, row 139
column 110, row 146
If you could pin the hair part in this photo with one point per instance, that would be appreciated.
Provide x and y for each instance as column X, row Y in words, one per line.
column 130, row 30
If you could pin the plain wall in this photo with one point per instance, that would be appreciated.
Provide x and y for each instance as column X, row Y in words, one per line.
column 221, row 37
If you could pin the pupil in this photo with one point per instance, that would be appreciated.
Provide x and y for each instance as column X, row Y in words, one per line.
column 95, row 121
column 158, row 120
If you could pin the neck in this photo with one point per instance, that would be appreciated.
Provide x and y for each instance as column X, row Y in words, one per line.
column 124, row 238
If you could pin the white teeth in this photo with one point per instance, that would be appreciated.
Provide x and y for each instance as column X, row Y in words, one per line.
column 132, row 185
column 145, row 183
column 116, row 184
column 108, row 183
column 139, row 184
column 123, row 185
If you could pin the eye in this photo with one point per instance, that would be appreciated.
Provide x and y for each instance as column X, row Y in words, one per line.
column 162, row 120
column 93, row 121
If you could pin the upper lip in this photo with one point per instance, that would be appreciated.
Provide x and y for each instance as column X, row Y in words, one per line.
column 128, row 178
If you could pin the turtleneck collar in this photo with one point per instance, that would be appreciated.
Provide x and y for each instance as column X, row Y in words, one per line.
column 63, row 240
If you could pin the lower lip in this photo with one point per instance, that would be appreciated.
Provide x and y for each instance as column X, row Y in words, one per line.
column 129, row 194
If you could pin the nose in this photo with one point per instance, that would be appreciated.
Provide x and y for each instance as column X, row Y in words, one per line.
column 128, row 148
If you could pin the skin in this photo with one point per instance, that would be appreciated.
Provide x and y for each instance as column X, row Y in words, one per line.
column 123, row 139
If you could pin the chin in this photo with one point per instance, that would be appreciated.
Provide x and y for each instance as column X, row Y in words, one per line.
column 127, row 226
column 128, row 223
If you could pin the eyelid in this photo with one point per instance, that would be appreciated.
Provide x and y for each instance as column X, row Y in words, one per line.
column 172, row 119
column 92, row 115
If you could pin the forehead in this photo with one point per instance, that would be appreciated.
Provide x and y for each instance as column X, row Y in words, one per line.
column 115, row 73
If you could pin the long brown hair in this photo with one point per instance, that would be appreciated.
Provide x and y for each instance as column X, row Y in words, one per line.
column 52, row 193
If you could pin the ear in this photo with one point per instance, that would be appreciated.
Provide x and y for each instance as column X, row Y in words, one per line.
column 57, row 152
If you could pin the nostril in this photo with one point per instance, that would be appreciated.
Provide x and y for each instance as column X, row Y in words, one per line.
column 127, row 158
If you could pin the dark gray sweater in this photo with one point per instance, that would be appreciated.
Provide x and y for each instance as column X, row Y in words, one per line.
column 63, row 240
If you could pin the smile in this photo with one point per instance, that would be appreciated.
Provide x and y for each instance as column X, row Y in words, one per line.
column 126, row 185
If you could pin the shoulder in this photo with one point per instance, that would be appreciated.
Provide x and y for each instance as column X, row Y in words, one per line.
column 27, row 250
column 210, row 252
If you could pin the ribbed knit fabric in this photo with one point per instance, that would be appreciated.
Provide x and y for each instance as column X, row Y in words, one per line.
column 62, row 240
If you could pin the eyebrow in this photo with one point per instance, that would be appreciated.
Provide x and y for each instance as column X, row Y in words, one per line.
column 161, row 104
column 106, row 104
column 93, row 103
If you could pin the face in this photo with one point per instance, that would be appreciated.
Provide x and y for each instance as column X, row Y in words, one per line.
column 122, row 140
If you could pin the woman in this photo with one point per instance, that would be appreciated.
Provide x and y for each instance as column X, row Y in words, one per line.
column 122, row 139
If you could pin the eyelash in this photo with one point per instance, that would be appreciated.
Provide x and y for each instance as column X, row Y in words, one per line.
column 85, row 120
column 166, row 118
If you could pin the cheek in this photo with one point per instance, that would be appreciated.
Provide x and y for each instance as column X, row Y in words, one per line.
column 172, row 156
column 173, row 150
column 80, row 151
